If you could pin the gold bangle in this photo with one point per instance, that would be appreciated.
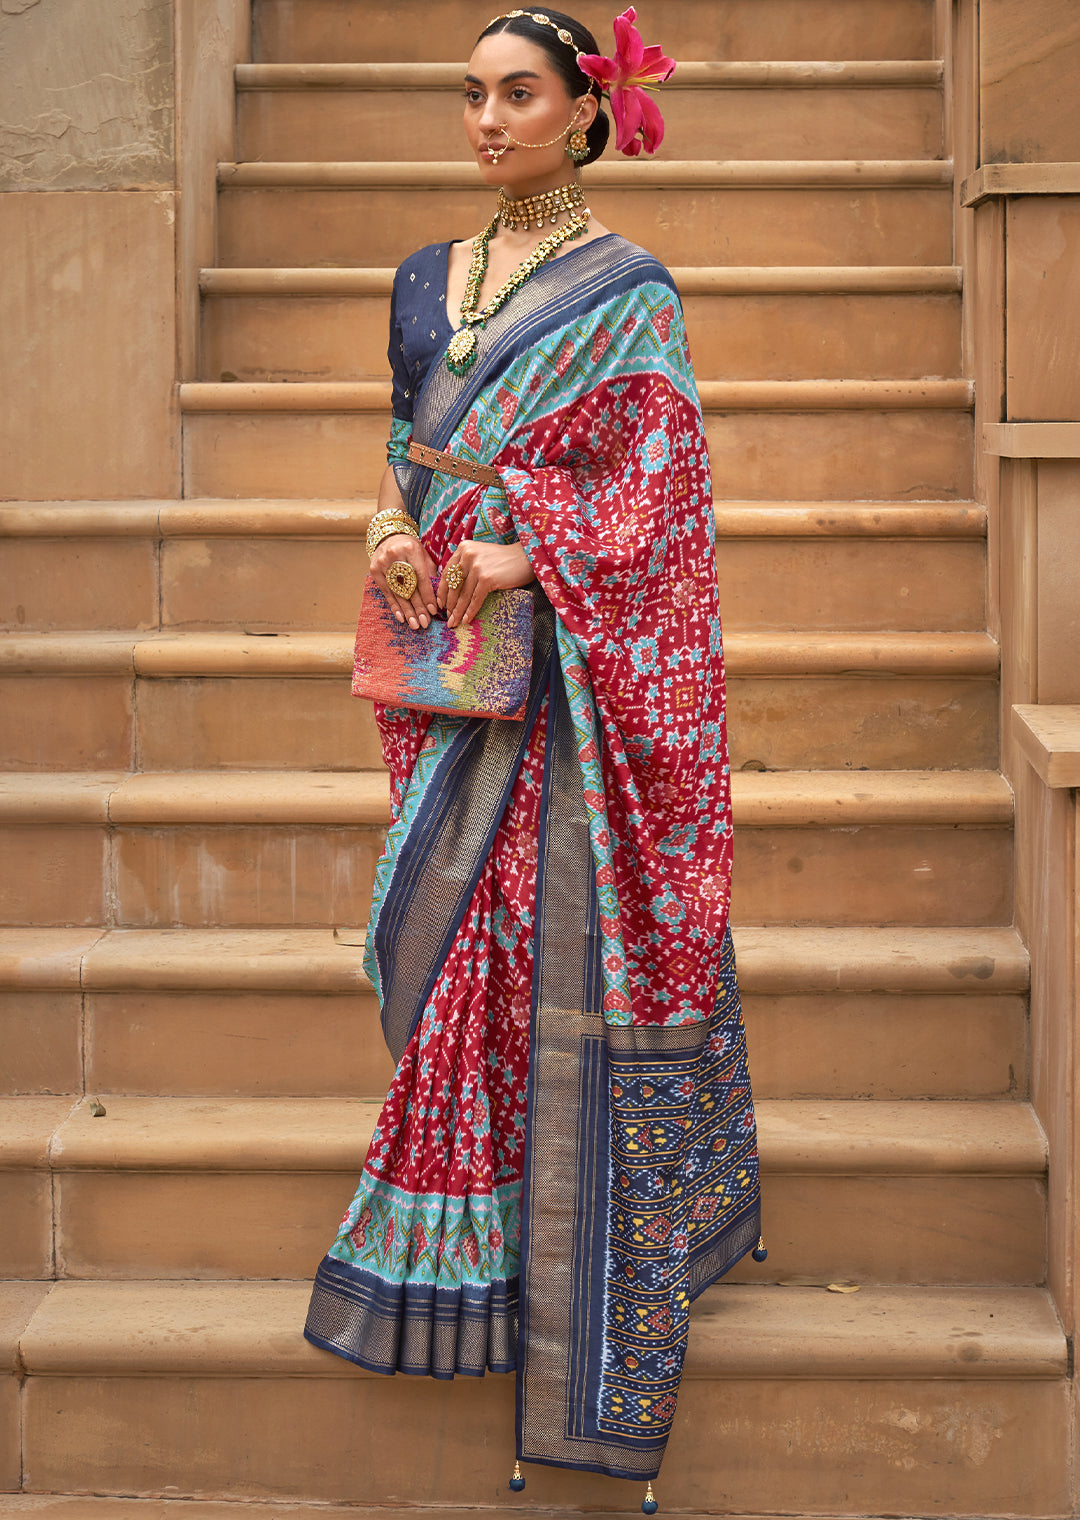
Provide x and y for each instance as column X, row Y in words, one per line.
column 378, row 531
column 385, row 512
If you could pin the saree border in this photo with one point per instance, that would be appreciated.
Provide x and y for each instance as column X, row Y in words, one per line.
column 449, row 840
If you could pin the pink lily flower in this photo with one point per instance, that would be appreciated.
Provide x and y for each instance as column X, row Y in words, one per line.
column 626, row 78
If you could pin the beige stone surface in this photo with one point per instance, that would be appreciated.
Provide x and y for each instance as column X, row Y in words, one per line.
column 331, row 30
column 26, row 1206
column 200, row 1226
column 356, row 797
column 234, row 723
column 18, row 1301
column 1059, row 579
column 786, row 722
column 767, row 336
column 27, row 1126
column 66, row 722
column 41, row 1037
column 211, row 37
column 235, row 1044
column 861, row 722
column 250, row 1438
column 1028, row 104
column 758, row 455
column 104, row 1329
column 273, row 584
column 888, row 876
column 876, row 1045
column 88, row 95
column 772, row 122
column 37, row 958
column 965, row 961
column 256, row 875
column 901, row 1229
column 292, row 960
column 87, row 343
column 281, row 584
column 57, row 583
column 851, row 584
column 288, row 227
column 845, row 455
column 1043, row 310
column 53, row 875
column 1049, row 737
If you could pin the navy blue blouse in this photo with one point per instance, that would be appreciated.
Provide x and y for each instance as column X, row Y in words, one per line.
column 419, row 326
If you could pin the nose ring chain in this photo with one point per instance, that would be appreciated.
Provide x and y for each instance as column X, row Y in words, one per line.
column 497, row 153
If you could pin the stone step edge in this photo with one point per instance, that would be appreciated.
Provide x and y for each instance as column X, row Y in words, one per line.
column 802, row 654
column 699, row 174
column 96, row 1507
column 764, row 279
column 216, row 517
column 771, row 960
column 208, row 1329
column 770, row 799
column 293, row 396
column 846, row 1138
column 795, row 74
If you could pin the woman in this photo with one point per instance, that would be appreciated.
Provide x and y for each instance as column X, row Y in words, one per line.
column 567, row 1154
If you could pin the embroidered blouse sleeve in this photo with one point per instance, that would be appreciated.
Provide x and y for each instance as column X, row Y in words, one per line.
column 402, row 397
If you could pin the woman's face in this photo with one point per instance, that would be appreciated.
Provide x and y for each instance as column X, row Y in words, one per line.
column 510, row 83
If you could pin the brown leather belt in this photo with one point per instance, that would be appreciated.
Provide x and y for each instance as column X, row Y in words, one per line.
column 450, row 464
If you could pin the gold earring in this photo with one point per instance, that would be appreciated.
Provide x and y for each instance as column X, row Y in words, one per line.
column 577, row 147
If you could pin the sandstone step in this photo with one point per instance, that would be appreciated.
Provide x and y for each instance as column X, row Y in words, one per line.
column 832, row 1013
column 208, row 1390
column 745, row 336
column 692, row 280
column 766, row 454
column 281, row 566
column 278, row 584
column 730, row 110
column 90, row 1507
column 739, row 212
column 333, row 30
column 288, row 847
column 186, row 1188
column 111, row 701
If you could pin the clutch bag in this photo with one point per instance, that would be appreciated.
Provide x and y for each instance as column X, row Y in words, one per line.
column 479, row 670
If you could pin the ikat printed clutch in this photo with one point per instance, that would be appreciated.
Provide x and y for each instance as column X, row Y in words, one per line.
column 480, row 670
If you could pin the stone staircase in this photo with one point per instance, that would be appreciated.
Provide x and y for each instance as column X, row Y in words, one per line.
column 191, row 808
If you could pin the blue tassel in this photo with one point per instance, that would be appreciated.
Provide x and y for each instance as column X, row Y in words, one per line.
column 759, row 1252
column 517, row 1482
column 649, row 1505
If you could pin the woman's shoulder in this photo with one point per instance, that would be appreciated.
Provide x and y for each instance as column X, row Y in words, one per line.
column 432, row 256
column 621, row 266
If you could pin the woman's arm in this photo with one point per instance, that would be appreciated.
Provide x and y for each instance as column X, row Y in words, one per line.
column 421, row 608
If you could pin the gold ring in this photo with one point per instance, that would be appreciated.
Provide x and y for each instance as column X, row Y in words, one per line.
column 455, row 577
column 401, row 578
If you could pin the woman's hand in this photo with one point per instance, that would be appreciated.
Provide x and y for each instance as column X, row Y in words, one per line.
column 420, row 608
column 486, row 567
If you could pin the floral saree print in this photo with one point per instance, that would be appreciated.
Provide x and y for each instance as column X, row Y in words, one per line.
column 567, row 1155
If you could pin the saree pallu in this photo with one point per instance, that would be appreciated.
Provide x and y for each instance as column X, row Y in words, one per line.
column 567, row 1156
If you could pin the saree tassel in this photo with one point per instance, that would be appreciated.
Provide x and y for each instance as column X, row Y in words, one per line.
column 517, row 1482
column 759, row 1253
column 649, row 1505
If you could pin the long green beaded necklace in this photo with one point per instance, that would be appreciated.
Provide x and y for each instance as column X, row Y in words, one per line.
column 461, row 350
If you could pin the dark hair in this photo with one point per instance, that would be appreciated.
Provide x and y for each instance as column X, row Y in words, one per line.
column 564, row 61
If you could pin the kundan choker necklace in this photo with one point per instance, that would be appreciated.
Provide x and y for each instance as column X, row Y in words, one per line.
column 461, row 350
column 534, row 210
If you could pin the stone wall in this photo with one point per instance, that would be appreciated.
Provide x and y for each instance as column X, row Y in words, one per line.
column 96, row 203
